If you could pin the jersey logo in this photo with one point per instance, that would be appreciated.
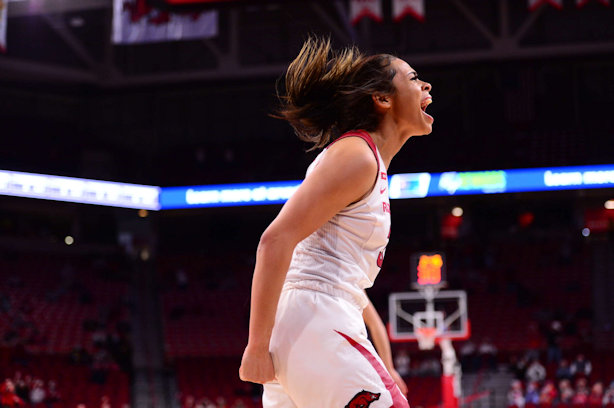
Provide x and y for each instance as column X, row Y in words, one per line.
column 381, row 190
column 363, row 399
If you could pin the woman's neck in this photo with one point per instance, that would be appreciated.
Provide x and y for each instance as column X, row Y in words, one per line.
column 389, row 139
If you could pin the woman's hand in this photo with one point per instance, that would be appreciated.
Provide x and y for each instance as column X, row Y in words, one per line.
column 399, row 381
column 257, row 365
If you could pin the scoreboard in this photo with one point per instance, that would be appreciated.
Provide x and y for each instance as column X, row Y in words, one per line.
column 428, row 269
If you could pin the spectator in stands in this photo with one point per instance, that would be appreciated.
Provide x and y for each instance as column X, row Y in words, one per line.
column 548, row 394
column 468, row 356
column 487, row 353
column 515, row 395
column 8, row 398
column 581, row 394
column 518, row 367
column 37, row 393
column 595, row 398
column 188, row 402
column 239, row 403
column 608, row 397
column 553, row 339
column 532, row 395
column 402, row 363
column 563, row 372
column 105, row 402
column 99, row 337
column 100, row 366
column 22, row 390
column 534, row 340
column 581, row 367
column 207, row 403
column 220, row 402
column 430, row 367
column 535, row 372
column 53, row 395
column 566, row 392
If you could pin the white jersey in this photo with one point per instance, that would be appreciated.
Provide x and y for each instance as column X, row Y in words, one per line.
column 344, row 256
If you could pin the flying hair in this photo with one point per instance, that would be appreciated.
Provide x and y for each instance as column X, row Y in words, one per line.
column 329, row 92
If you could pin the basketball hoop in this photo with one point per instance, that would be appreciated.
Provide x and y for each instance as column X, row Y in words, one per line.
column 426, row 337
column 420, row 316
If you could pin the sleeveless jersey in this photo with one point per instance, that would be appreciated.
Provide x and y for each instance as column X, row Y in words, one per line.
column 344, row 256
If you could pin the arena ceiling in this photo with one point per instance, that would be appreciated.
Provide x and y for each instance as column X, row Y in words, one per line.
column 68, row 41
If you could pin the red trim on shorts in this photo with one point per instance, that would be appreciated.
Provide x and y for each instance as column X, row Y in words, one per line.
column 398, row 401
column 364, row 135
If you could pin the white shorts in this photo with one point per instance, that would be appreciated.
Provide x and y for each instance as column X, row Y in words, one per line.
column 323, row 358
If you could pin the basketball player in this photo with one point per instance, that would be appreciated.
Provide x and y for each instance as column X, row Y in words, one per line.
column 307, row 339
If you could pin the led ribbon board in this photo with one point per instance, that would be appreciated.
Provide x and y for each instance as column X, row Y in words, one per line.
column 227, row 195
column 77, row 190
column 408, row 185
column 420, row 185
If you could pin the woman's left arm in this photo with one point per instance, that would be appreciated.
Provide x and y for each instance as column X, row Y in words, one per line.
column 382, row 343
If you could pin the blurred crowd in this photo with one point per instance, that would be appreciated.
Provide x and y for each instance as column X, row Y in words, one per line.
column 569, row 386
column 563, row 393
column 29, row 391
column 76, row 301
column 32, row 392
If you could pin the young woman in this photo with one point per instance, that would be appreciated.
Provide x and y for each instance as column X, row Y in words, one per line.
column 307, row 339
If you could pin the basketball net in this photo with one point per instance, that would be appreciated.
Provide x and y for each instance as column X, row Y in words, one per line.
column 426, row 337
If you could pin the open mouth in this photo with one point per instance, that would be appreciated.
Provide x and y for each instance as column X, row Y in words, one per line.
column 426, row 102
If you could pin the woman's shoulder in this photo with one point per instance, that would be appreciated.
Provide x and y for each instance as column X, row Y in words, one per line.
column 348, row 161
column 356, row 134
column 351, row 150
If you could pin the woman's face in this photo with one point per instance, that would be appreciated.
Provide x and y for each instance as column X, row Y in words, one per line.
column 410, row 100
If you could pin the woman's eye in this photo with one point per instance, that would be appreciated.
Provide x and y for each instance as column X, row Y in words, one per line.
column 415, row 78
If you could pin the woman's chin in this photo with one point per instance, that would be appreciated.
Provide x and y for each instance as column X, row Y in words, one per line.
column 428, row 128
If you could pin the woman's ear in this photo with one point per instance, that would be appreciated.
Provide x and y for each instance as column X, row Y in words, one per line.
column 381, row 102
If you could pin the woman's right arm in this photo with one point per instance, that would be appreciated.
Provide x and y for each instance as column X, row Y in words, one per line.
column 344, row 175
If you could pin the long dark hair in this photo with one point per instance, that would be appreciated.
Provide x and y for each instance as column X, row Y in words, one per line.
column 328, row 92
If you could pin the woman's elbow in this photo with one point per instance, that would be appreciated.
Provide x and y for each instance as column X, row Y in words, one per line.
column 278, row 240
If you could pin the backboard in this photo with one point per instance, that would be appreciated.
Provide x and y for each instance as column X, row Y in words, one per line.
column 444, row 311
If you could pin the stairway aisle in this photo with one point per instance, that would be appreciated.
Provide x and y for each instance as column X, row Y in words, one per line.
column 496, row 383
column 602, row 258
column 153, row 385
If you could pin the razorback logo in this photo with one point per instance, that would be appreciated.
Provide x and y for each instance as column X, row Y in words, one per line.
column 140, row 9
column 362, row 400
